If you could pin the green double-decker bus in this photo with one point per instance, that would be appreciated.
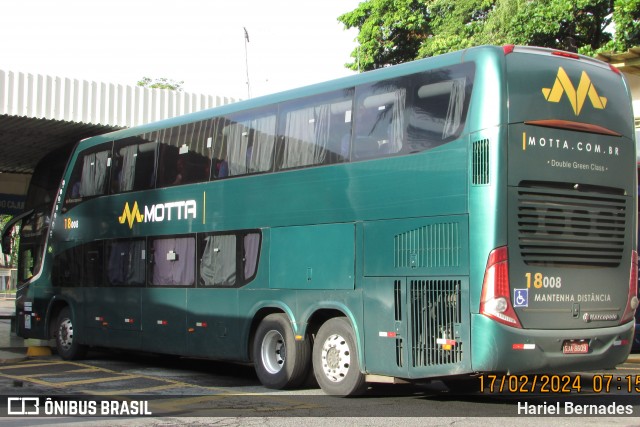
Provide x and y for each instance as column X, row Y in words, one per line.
column 468, row 213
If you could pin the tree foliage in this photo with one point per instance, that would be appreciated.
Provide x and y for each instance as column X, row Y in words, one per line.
column 161, row 83
column 395, row 31
column 12, row 259
column 390, row 31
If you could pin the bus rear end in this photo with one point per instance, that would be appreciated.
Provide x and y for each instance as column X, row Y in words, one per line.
column 562, row 293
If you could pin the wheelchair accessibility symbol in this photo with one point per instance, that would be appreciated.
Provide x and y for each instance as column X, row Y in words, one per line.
column 521, row 297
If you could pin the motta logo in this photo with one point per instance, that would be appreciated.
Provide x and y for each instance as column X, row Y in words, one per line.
column 577, row 98
column 130, row 215
column 180, row 210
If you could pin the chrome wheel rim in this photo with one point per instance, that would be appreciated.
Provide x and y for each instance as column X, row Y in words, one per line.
column 65, row 334
column 336, row 358
column 273, row 352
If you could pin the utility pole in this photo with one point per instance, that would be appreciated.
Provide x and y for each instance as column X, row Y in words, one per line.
column 246, row 61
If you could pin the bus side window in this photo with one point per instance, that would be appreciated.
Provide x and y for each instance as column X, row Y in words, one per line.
column 380, row 120
column 133, row 164
column 249, row 140
column 185, row 154
column 89, row 176
column 172, row 262
column 218, row 261
column 439, row 105
column 251, row 252
column 168, row 168
column 315, row 131
column 67, row 267
column 93, row 271
column 228, row 260
column 126, row 260
column 218, row 149
column 82, row 265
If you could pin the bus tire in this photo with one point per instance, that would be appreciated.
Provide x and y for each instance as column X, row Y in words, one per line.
column 280, row 361
column 335, row 359
column 66, row 341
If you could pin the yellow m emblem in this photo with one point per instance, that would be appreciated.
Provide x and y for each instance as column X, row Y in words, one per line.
column 576, row 97
column 130, row 216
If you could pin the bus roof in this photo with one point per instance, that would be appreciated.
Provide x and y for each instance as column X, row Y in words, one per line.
column 318, row 88
column 332, row 85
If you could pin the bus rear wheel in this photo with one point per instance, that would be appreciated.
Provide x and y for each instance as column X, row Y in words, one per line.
column 280, row 361
column 335, row 359
column 66, row 343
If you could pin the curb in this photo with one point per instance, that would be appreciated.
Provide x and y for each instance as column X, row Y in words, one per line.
column 12, row 355
column 634, row 358
column 20, row 354
column 35, row 351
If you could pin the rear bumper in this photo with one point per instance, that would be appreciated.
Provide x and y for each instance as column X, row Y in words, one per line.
column 492, row 348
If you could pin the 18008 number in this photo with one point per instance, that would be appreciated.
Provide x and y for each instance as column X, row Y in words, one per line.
column 539, row 280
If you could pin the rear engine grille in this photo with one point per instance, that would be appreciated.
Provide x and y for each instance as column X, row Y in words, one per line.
column 570, row 228
column 435, row 311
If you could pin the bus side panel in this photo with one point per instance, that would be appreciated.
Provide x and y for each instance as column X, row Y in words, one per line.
column 213, row 323
column 112, row 316
column 417, row 247
column 30, row 307
column 164, row 320
column 317, row 257
column 416, row 296
column 385, row 326
column 417, row 327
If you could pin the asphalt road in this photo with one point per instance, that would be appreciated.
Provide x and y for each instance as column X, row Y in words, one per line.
column 176, row 391
column 197, row 392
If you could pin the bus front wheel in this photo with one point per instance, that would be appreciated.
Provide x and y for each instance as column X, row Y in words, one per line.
column 66, row 343
column 280, row 361
column 335, row 359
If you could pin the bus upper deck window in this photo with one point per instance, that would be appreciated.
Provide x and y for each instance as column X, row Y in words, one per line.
column 89, row 176
column 379, row 124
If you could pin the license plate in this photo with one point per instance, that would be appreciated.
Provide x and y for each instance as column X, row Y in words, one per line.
column 575, row 347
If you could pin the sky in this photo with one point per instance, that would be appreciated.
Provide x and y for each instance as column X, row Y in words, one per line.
column 292, row 43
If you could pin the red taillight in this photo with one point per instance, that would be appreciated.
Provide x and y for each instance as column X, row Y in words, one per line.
column 508, row 48
column 565, row 54
column 495, row 301
column 615, row 69
column 632, row 299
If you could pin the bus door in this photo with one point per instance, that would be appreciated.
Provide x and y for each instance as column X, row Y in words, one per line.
column 416, row 297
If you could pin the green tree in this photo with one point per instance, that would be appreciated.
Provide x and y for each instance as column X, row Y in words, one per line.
column 12, row 259
column 161, row 83
column 394, row 31
column 390, row 31
column 584, row 25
